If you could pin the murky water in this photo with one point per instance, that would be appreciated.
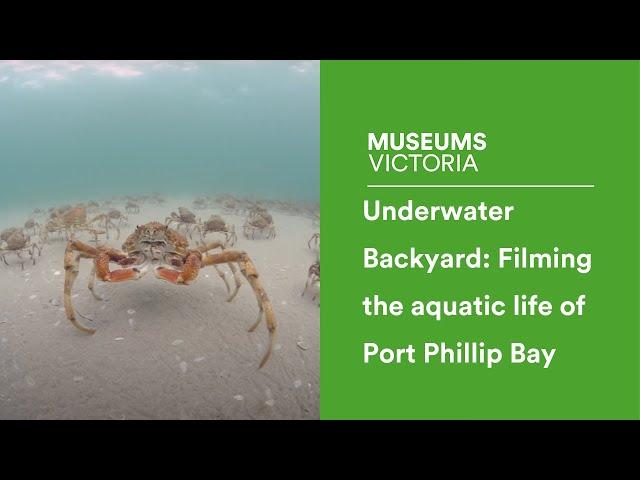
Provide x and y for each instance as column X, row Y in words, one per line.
column 77, row 130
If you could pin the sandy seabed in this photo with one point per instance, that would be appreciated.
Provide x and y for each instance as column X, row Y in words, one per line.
column 161, row 351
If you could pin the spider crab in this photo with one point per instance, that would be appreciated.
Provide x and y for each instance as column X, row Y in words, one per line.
column 18, row 242
column 73, row 220
column 259, row 220
column 313, row 279
column 116, row 215
column 7, row 232
column 184, row 218
column 175, row 262
column 67, row 220
column 217, row 224
column 315, row 239
column 32, row 226
column 256, row 210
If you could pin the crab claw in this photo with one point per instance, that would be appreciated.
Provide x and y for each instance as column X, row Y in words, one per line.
column 125, row 274
column 168, row 274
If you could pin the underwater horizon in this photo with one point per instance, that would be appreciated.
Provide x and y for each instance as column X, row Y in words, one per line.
column 74, row 131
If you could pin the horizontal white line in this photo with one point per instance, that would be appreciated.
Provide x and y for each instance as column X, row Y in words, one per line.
column 481, row 186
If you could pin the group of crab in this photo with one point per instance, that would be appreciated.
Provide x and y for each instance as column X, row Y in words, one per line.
column 90, row 217
column 235, row 205
column 162, row 246
column 186, row 220
column 258, row 222
column 66, row 221
column 17, row 241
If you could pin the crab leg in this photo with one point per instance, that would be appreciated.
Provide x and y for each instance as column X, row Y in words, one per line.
column 92, row 279
column 203, row 249
column 195, row 261
column 101, row 257
column 71, row 267
column 250, row 272
column 224, row 279
column 232, row 267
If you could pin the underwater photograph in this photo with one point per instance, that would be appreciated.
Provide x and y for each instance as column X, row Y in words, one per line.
column 160, row 239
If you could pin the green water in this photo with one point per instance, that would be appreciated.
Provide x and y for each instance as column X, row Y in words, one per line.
column 249, row 128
